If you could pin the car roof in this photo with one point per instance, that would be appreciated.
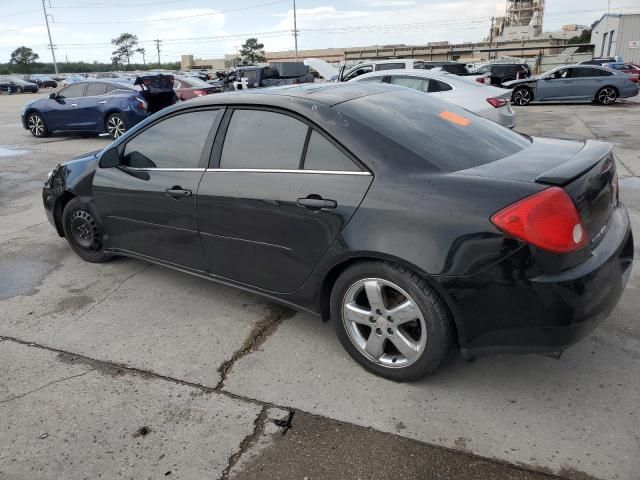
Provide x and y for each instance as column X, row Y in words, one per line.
column 329, row 94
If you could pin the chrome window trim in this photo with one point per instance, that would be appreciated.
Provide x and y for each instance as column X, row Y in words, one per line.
column 164, row 169
column 274, row 170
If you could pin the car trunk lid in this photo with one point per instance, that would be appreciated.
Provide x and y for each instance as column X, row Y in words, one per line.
column 157, row 90
column 585, row 170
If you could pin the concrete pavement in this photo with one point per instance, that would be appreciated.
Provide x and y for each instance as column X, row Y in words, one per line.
column 124, row 345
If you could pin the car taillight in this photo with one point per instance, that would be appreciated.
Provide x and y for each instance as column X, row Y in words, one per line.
column 497, row 102
column 141, row 104
column 481, row 80
column 199, row 93
column 547, row 219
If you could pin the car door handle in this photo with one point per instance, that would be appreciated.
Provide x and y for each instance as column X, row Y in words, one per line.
column 102, row 102
column 178, row 192
column 316, row 202
column 74, row 105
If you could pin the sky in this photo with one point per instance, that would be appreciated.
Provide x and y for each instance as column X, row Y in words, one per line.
column 82, row 30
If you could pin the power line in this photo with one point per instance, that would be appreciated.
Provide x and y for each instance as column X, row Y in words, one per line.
column 128, row 5
column 20, row 13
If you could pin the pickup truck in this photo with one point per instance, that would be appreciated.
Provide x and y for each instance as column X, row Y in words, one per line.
column 249, row 76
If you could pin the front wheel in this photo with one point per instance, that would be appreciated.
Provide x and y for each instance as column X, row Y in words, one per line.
column 36, row 125
column 522, row 96
column 19, row 90
column 116, row 125
column 606, row 95
column 82, row 231
column 390, row 320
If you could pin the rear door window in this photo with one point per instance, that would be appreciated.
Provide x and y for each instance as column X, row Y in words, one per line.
column 259, row 139
column 95, row 89
column 324, row 155
column 584, row 72
column 438, row 86
column 359, row 71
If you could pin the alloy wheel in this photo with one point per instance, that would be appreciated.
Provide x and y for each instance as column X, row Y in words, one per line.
column 85, row 232
column 522, row 97
column 607, row 96
column 115, row 126
column 36, row 125
column 384, row 323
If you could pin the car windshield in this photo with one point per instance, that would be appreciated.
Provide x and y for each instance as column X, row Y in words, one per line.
column 448, row 137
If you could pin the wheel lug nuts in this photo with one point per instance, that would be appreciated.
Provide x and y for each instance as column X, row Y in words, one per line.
column 372, row 320
column 378, row 331
column 390, row 331
column 389, row 318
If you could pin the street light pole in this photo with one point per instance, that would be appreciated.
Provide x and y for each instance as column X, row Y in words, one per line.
column 295, row 28
column 53, row 54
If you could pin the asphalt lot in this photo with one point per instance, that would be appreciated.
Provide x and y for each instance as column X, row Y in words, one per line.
column 127, row 370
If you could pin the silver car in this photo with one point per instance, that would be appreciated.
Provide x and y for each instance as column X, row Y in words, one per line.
column 574, row 83
column 492, row 103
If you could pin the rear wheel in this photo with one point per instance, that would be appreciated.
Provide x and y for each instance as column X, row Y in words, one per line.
column 116, row 125
column 606, row 95
column 19, row 90
column 390, row 320
column 522, row 96
column 36, row 125
column 82, row 231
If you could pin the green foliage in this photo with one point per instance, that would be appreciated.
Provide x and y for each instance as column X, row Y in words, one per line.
column 584, row 37
column 78, row 67
column 126, row 43
column 252, row 51
column 23, row 58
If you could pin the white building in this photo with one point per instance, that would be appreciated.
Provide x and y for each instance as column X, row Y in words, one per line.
column 617, row 35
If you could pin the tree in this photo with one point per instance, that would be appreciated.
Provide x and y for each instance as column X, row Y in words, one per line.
column 142, row 52
column 23, row 56
column 126, row 43
column 252, row 51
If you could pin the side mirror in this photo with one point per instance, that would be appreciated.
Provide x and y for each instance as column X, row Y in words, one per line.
column 110, row 158
column 52, row 96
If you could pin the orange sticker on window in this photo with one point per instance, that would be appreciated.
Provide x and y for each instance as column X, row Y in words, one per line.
column 455, row 118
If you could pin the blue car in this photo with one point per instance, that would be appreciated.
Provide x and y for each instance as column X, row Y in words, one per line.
column 98, row 106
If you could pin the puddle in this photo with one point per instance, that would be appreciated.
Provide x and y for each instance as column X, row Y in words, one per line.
column 11, row 151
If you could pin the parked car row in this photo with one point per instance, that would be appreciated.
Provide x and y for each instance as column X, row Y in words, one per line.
column 17, row 85
column 412, row 224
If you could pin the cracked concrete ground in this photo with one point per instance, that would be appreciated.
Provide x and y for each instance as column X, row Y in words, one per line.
column 130, row 370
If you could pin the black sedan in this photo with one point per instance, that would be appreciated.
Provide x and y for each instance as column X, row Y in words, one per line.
column 18, row 86
column 414, row 225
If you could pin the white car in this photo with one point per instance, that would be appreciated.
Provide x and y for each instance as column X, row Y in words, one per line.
column 490, row 102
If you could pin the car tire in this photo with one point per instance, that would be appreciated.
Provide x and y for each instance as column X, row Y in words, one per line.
column 36, row 125
column 82, row 231
column 19, row 90
column 522, row 96
column 606, row 96
column 404, row 333
column 115, row 125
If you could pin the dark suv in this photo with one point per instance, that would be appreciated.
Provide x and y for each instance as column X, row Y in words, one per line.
column 504, row 72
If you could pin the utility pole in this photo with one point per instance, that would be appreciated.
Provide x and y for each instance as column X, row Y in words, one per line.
column 295, row 28
column 53, row 54
column 158, row 42
column 491, row 35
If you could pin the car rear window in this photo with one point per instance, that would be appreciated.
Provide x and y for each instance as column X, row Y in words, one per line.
column 455, row 68
column 444, row 135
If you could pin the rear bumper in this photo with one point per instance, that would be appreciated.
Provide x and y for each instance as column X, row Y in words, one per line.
column 502, row 116
column 501, row 310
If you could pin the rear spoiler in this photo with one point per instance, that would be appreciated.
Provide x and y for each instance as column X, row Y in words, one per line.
column 583, row 161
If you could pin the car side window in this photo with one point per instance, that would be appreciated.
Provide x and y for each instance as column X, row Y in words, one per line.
column 175, row 142
column 584, row 72
column 438, row 86
column 390, row 66
column 95, row 89
column 360, row 71
column 324, row 155
column 421, row 84
column 263, row 139
column 562, row 73
column 377, row 79
column 74, row 90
